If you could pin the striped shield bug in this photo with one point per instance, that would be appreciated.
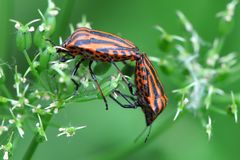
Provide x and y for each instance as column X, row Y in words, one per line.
column 150, row 95
column 96, row 45
column 150, row 91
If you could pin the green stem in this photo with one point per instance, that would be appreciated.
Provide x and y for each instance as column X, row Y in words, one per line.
column 6, row 91
column 231, row 79
column 34, row 71
column 31, row 149
column 226, row 98
column 84, row 99
column 218, row 110
column 35, row 141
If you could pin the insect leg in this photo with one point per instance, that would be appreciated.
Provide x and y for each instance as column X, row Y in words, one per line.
column 124, row 78
column 140, row 135
column 74, row 73
column 98, row 86
column 125, row 96
column 130, row 105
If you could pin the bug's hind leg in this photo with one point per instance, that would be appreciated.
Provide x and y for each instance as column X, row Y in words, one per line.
column 130, row 86
column 130, row 105
column 74, row 73
column 125, row 96
column 97, row 84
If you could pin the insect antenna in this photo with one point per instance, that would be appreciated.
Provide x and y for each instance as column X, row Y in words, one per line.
column 51, row 42
column 59, row 48
column 143, row 131
column 149, row 131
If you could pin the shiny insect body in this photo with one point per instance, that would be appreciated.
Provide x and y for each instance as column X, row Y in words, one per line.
column 96, row 45
column 100, row 46
column 150, row 95
column 150, row 92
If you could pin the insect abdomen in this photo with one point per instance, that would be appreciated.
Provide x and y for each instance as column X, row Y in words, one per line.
column 150, row 91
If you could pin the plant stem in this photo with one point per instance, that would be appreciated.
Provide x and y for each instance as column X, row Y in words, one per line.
column 226, row 98
column 35, row 142
column 34, row 71
column 218, row 110
column 31, row 149
column 6, row 91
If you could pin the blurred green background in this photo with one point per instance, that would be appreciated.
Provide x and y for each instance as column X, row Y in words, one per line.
column 110, row 134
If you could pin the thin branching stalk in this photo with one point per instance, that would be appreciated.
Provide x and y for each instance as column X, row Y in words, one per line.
column 35, row 73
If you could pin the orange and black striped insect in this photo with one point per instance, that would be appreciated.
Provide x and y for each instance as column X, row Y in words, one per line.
column 150, row 91
column 96, row 45
column 150, row 95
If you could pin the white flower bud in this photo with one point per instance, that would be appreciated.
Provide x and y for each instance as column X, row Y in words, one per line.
column 31, row 29
column 5, row 156
column 17, row 25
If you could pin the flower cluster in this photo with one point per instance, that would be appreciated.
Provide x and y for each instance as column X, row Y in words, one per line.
column 69, row 131
column 203, row 68
column 46, row 86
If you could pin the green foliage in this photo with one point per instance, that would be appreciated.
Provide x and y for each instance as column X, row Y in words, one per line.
column 202, row 69
column 45, row 87
column 198, row 68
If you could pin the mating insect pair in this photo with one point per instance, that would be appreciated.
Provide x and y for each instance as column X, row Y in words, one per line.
column 149, row 94
column 96, row 45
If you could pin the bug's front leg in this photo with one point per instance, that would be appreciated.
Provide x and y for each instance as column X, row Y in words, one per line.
column 132, row 105
column 74, row 73
column 125, row 96
column 96, row 82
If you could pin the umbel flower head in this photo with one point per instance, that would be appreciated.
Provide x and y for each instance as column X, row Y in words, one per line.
column 69, row 131
column 24, row 37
